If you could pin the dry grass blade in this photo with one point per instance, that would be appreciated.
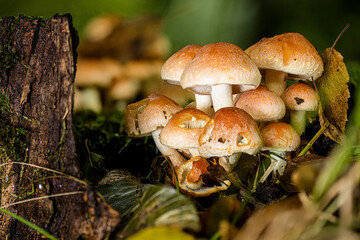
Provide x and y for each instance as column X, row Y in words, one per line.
column 42, row 197
column 46, row 169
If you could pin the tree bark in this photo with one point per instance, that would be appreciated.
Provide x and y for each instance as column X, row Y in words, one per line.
column 37, row 73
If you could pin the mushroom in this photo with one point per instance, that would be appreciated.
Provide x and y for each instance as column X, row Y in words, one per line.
column 220, row 70
column 190, row 178
column 288, row 55
column 148, row 117
column 279, row 138
column 173, row 68
column 230, row 131
column 262, row 104
column 300, row 98
column 183, row 130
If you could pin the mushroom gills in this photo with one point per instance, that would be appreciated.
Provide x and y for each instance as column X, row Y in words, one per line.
column 193, row 123
column 240, row 140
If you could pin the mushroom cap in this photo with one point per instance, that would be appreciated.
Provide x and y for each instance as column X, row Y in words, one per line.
column 280, row 136
column 149, row 114
column 183, row 129
column 262, row 104
column 230, row 130
column 196, row 189
column 289, row 52
column 173, row 67
column 220, row 63
column 300, row 96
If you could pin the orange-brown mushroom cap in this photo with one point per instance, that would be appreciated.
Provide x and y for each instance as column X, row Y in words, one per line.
column 220, row 63
column 173, row 67
column 289, row 52
column 183, row 129
column 198, row 188
column 262, row 104
column 231, row 130
column 149, row 114
column 300, row 96
column 280, row 136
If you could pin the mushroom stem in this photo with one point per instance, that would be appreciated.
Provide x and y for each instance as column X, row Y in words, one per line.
column 221, row 96
column 298, row 120
column 229, row 162
column 175, row 157
column 277, row 164
column 203, row 103
column 194, row 152
column 275, row 81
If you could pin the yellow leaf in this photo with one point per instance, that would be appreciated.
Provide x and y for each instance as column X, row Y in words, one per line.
column 334, row 94
column 161, row 233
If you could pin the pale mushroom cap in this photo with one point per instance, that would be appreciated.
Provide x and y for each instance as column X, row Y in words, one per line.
column 231, row 130
column 280, row 136
column 220, row 63
column 289, row 52
column 149, row 114
column 262, row 104
column 300, row 96
column 183, row 129
column 173, row 67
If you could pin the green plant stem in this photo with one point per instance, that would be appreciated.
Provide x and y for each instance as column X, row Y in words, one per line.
column 313, row 140
column 29, row 224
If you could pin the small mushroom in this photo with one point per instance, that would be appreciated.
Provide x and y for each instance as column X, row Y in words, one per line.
column 279, row 138
column 148, row 117
column 288, row 55
column 262, row 104
column 300, row 98
column 230, row 131
column 183, row 130
column 220, row 70
column 173, row 68
column 190, row 178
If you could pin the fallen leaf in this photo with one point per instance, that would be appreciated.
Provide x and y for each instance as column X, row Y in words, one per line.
column 161, row 233
column 334, row 94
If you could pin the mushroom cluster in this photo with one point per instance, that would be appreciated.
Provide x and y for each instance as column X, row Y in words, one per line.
column 235, row 111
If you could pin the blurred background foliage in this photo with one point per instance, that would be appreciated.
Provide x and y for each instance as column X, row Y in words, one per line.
column 123, row 43
column 242, row 22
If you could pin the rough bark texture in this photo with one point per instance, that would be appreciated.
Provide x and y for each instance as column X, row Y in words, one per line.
column 37, row 77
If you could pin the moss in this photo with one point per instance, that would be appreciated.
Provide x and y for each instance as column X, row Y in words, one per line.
column 9, row 55
column 103, row 145
column 12, row 139
column 12, row 143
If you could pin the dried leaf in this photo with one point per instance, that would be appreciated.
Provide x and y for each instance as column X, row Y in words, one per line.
column 334, row 94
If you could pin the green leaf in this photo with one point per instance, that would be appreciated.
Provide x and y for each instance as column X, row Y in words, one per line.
column 142, row 206
column 120, row 189
column 29, row 224
column 162, row 205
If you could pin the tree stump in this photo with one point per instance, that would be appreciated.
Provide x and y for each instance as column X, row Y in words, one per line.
column 37, row 70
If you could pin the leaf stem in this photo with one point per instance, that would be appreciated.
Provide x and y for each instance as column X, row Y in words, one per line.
column 313, row 140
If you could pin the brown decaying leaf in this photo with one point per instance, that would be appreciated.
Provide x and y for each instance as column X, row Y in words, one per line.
column 334, row 94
